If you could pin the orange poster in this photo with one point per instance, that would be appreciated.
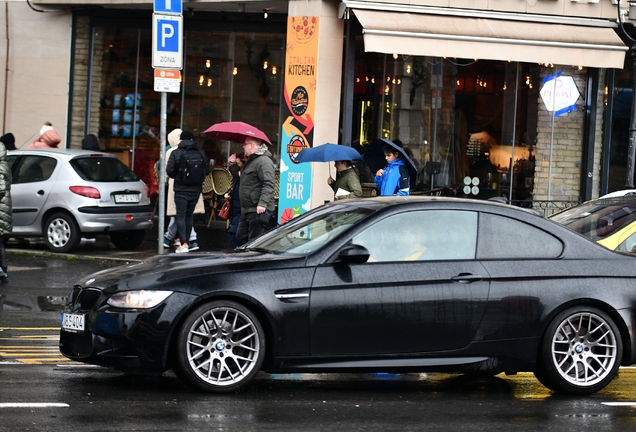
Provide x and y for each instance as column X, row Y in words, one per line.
column 301, row 62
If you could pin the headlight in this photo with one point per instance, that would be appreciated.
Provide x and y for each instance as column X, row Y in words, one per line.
column 138, row 299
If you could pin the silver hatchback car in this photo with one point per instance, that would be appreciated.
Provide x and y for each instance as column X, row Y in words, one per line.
column 66, row 194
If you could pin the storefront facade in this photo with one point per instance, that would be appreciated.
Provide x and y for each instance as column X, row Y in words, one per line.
column 433, row 75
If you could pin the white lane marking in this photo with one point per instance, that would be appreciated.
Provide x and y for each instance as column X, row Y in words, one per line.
column 33, row 405
column 619, row 403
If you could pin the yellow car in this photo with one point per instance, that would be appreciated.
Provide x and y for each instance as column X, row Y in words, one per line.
column 610, row 222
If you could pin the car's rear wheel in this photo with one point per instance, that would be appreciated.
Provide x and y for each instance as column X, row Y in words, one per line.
column 220, row 347
column 580, row 352
column 61, row 233
column 128, row 240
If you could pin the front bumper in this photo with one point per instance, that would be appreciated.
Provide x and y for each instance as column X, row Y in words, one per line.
column 133, row 341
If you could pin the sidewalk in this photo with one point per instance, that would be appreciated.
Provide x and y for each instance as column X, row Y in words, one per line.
column 210, row 239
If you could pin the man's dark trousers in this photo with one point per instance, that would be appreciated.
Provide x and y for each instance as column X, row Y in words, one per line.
column 185, row 202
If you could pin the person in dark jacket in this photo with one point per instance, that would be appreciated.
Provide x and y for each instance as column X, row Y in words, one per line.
column 185, row 195
column 8, row 140
column 90, row 142
column 6, row 221
column 256, row 191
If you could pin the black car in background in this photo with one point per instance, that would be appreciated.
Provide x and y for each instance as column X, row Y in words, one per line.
column 387, row 284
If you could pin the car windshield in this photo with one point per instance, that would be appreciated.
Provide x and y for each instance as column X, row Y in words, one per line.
column 103, row 169
column 311, row 231
column 598, row 219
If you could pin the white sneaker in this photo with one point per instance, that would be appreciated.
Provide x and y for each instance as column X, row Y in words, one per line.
column 182, row 249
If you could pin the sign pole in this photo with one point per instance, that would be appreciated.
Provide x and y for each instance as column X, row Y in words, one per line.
column 162, row 171
column 167, row 60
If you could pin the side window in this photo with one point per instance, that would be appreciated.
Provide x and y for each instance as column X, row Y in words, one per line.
column 35, row 169
column 505, row 238
column 628, row 245
column 422, row 235
column 11, row 160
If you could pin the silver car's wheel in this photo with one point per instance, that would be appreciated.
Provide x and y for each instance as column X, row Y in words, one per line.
column 581, row 352
column 61, row 233
column 221, row 347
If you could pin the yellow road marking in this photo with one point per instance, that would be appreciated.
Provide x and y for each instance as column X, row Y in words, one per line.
column 42, row 360
column 28, row 346
column 46, row 352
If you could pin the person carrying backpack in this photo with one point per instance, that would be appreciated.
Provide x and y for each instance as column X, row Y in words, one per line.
column 188, row 166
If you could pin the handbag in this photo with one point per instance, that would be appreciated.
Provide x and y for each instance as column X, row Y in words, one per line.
column 224, row 213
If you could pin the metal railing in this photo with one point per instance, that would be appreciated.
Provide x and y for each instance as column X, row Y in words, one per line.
column 547, row 207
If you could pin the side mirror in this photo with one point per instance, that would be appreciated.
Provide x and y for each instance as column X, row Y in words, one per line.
column 354, row 254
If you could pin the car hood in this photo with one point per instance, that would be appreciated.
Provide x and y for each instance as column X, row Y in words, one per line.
column 166, row 271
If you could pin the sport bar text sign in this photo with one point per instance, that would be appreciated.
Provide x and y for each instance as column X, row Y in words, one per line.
column 167, row 41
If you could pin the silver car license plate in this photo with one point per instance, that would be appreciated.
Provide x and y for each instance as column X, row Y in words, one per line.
column 73, row 322
column 126, row 198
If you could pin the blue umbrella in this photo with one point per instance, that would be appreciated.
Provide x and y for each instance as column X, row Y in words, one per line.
column 327, row 153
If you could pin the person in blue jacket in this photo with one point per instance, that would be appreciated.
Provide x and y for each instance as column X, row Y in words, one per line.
column 394, row 179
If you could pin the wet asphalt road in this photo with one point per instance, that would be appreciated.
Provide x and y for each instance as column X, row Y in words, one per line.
column 42, row 391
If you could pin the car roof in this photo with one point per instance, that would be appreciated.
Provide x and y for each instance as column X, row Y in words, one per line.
column 390, row 201
column 70, row 152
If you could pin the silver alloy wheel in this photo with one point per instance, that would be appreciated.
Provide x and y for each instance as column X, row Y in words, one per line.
column 59, row 232
column 584, row 349
column 223, row 346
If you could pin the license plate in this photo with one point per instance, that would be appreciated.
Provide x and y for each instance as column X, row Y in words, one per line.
column 126, row 198
column 73, row 322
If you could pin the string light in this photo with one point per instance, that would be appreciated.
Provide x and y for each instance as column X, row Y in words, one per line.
column 274, row 70
column 235, row 70
column 265, row 65
column 207, row 64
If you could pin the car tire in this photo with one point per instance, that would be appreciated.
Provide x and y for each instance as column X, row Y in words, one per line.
column 61, row 233
column 220, row 347
column 128, row 240
column 580, row 352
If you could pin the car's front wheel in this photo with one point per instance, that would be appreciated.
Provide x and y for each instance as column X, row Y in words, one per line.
column 61, row 233
column 580, row 352
column 128, row 240
column 220, row 347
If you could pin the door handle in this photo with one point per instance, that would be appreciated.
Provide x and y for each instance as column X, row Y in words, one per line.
column 467, row 278
column 40, row 192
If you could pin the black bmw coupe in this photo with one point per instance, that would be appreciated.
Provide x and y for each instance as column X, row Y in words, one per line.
column 387, row 284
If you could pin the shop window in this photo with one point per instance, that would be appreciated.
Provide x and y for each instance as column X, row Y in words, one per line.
column 226, row 76
column 482, row 124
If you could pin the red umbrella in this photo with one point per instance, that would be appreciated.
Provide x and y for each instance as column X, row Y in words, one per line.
column 236, row 131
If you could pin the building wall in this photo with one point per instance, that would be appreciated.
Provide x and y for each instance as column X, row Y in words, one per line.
column 581, row 8
column 37, row 73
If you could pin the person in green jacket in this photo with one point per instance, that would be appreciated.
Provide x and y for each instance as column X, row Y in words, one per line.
column 347, row 182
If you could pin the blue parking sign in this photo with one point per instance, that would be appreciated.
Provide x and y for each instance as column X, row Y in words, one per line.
column 168, row 6
column 167, row 41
